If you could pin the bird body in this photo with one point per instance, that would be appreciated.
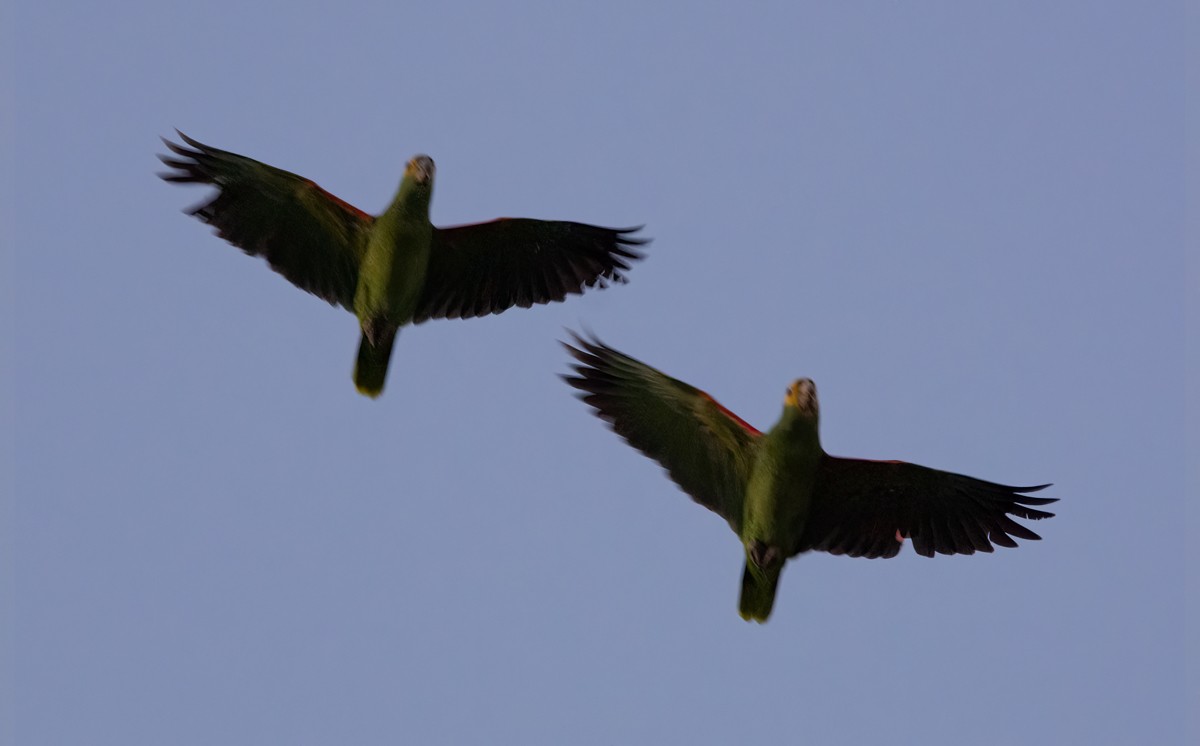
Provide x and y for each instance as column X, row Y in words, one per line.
column 780, row 492
column 398, row 268
column 392, row 273
column 778, row 495
column 780, row 487
column 394, row 266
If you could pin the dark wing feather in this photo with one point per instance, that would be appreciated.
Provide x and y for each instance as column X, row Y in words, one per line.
column 704, row 447
column 309, row 236
column 485, row 268
column 859, row 508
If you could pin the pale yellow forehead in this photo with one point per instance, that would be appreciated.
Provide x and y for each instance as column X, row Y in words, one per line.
column 802, row 393
column 421, row 166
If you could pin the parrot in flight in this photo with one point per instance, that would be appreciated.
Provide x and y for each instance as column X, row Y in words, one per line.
column 396, row 268
column 779, row 491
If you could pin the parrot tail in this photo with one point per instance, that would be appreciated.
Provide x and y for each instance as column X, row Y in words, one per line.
column 758, row 591
column 371, row 369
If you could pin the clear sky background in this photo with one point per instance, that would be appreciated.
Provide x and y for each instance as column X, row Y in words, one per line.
column 965, row 221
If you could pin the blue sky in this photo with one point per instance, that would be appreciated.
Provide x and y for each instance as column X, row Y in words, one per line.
column 964, row 221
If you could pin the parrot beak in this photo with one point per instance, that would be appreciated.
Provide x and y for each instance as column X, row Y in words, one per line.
column 421, row 169
column 802, row 395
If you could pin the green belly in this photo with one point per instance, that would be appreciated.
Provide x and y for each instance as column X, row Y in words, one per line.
column 779, row 494
column 392, row 276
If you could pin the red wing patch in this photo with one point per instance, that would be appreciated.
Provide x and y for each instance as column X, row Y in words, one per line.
column 745, row 425
column 340, row 202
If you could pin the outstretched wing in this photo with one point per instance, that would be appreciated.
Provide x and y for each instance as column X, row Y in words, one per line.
column 704, row 447
column 476, row 270
column 307, row 235
column 863, row 508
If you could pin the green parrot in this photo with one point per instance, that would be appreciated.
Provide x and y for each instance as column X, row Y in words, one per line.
column 397, row 268
column 779, row 491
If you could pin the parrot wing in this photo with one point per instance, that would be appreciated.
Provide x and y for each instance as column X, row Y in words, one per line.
column 306, row 234
column 705, row 448
column 866, row 508
column 486, row 268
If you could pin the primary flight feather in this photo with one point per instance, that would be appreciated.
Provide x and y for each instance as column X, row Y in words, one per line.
column 779, row 491
column 397, row 268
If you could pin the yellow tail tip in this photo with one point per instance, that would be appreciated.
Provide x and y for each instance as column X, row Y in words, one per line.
column 371, row 391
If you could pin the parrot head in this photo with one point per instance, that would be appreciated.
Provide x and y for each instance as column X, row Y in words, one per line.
column 802, row 394
column 420, row 169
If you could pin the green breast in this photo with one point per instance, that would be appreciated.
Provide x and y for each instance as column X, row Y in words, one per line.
column 780, row 488
column 393, row 271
